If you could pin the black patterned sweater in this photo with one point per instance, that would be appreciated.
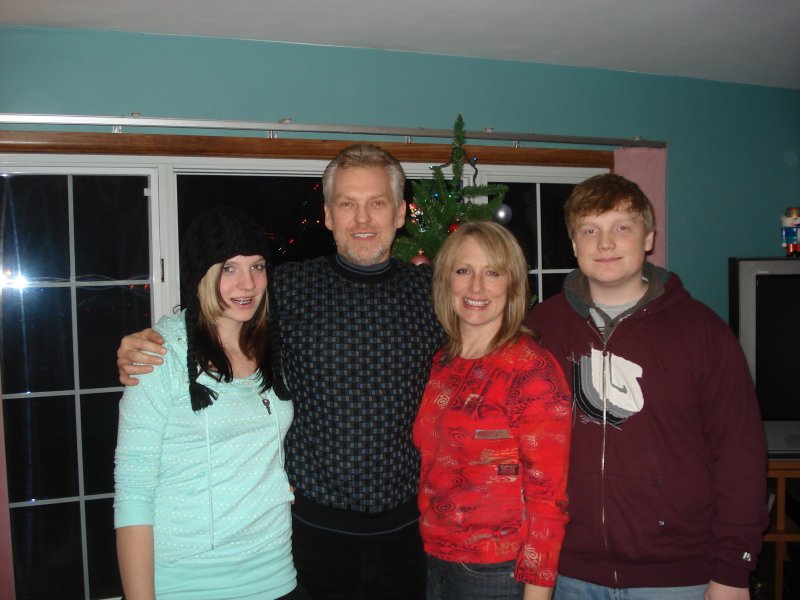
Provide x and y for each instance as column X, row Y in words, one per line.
column 356, row 351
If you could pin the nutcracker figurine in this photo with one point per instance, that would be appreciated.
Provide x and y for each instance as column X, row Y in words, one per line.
column 789, row 231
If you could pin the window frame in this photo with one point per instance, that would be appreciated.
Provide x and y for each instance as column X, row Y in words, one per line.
column 164, row 157
column 537, row 175
column 69, row 167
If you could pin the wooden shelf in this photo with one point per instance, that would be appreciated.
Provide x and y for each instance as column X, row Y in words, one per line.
column 783, row 530
column 789, row 535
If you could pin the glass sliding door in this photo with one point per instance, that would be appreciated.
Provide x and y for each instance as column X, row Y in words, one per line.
column 76, row 276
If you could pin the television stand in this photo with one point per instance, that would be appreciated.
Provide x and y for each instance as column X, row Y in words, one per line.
column 782, row 529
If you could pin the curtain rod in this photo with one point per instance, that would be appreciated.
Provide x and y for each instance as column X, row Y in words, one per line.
column 286, row 125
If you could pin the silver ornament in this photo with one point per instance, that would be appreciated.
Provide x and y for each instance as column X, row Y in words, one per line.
column 503, row 214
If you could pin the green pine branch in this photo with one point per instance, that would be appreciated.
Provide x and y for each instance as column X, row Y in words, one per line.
column 443, row 203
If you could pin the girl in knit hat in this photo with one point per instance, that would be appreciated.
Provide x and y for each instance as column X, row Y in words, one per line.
column 202, row 505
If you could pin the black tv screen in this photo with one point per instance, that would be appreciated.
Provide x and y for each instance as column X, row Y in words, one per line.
column 764, row 296
column 777, row 355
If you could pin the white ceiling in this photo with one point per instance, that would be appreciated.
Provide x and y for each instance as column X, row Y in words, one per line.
column 743, row 41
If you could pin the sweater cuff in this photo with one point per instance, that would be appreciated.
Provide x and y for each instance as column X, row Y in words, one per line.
column 133, row 513
column 729, row 575
column 535, row 569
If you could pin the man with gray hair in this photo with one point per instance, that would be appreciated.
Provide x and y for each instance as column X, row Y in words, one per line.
column 356, row 332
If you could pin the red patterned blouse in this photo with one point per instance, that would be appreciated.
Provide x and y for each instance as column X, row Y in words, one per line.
column 494, row 436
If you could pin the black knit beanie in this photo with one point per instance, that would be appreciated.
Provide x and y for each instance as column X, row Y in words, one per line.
column 213, row 237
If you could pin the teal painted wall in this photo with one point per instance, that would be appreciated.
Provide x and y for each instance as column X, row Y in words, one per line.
column 732, row 149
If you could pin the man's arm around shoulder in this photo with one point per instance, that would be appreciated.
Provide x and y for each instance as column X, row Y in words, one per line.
column 138, row 353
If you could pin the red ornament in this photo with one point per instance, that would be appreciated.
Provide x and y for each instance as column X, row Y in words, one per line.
column 453, row 227
column 420, row 259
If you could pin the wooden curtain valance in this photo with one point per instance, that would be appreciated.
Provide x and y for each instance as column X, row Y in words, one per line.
column 51, row 142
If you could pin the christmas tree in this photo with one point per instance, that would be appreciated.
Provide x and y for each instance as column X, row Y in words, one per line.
column 440, row 205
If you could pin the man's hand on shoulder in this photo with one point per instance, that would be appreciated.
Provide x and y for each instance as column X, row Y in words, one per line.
column 137, row 354
column 718, row 591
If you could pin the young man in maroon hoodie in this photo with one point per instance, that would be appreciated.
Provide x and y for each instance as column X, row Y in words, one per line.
column 667, row 480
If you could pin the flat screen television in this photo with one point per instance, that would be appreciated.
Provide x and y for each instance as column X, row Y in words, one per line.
column 764, row 313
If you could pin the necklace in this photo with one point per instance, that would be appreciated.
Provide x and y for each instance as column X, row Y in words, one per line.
column 263, row 396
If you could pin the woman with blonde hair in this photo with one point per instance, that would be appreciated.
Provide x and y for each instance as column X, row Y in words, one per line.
column 493, row 430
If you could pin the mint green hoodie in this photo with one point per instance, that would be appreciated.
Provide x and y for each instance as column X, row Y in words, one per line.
column 212, row 483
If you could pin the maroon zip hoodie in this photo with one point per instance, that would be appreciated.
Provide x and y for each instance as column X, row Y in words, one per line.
column 667, row 481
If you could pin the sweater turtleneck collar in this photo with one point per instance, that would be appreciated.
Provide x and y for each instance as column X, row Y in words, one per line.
column 351, row 270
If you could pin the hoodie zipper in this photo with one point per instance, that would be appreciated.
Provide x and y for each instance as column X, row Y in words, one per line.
column 603, row 525
column 606, row 376
column 606, row 372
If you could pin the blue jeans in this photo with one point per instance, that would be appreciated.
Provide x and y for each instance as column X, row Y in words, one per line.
column 469, row 581
column 575, row 589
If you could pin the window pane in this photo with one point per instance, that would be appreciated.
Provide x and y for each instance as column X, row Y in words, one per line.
column 290, row 208
column 46, row 542
column 99, row 415
column 556, row 247
column 533, row 282
column 112, row 238
column 105, row 315
column 37, row 340
column 521, row 199
column 552, row 284
column 35, row 226
column 40, row 448
column 101, row 549
column 408, row 196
